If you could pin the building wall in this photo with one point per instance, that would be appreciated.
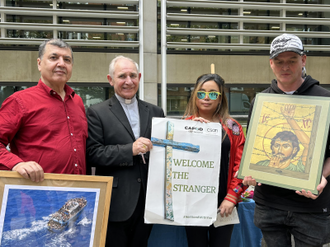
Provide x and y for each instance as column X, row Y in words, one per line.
column 21, row 66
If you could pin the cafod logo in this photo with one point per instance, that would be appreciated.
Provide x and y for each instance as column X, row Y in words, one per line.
column 194, row 129
column 199, row 129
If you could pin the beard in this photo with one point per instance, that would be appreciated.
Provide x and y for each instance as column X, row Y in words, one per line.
column 283, row 157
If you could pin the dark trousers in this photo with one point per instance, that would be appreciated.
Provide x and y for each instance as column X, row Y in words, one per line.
column 199, row 236
column 130, row 233
column 308, row 230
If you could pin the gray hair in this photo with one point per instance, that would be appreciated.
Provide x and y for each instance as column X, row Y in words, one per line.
column 56, row 42
column 115, row 60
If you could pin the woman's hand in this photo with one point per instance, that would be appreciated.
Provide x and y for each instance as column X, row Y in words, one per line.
column 200, row 119
column 226, row 208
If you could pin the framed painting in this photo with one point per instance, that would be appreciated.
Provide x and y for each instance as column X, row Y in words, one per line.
column 62, row 210
column 286, row 141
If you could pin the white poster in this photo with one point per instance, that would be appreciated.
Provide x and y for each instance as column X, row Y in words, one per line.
column 184, row 169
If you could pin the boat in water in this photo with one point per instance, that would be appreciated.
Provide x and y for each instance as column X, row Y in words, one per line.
column 68, row 212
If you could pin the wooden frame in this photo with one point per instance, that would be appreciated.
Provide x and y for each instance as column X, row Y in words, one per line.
column 27, row 208
column 286, row 141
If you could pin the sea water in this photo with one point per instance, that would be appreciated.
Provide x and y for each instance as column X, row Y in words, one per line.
column 28, row 212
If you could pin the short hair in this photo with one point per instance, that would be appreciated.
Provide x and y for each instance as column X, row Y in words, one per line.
column 222, row 109
column 286, row 136
column 115, row 60
column 56, row 42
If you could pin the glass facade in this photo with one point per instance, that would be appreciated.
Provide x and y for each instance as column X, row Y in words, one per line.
column 249, row 22
column 249, row 25
column 71, row 21
column 255, row 24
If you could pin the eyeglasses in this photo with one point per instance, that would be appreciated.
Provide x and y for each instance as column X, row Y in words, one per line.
column 211, row 95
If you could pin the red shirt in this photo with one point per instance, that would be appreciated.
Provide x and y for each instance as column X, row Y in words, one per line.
column 41, row 127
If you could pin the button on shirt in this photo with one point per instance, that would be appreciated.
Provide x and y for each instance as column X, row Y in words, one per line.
column 41, row 127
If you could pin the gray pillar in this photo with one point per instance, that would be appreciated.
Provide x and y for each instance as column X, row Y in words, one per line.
column 150, row 50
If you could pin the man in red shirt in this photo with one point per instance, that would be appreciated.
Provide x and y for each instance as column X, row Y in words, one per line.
column 45, row 125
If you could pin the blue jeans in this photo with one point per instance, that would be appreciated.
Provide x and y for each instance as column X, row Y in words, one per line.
column 308, row 230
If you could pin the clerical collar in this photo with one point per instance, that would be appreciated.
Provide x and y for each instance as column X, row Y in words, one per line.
column 126, row 101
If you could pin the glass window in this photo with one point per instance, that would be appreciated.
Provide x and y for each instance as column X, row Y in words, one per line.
column 30, row 3
column 204, row 11
column 96, row 6
column 261, row 26
column 92, row 95
column 96, row 21
column 261, row 12
column 29, row 19
column 97, row 36
column 6, row 91
column 177, row 98
column 260, row 1
column 302, row 14
column 29, row 34
column 307, row 1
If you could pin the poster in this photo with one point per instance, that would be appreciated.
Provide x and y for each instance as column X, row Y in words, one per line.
column 286, row 141
column 62, row 210
column 184, row 169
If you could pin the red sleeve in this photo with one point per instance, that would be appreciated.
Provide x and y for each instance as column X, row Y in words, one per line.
column 235, row 185
column 10, row 119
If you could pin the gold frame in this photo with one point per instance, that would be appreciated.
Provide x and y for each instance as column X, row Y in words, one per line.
column 269, row 118
column 104, row 183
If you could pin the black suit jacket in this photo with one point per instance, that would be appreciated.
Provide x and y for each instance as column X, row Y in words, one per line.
column 109, row 149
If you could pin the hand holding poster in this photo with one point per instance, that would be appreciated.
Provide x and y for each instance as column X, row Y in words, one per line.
column 184, row 169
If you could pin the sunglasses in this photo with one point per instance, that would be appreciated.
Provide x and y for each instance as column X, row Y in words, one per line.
column 211, row 95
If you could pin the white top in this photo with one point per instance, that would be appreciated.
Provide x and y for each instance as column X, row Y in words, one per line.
column 131, row 109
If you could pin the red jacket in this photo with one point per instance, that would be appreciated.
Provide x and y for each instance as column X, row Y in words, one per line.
column 237, row 139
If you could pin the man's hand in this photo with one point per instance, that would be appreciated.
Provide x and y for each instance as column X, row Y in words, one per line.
column 248, row 180
column 30, row 170
column 288, row 111
column 319, row 188
column 226, row 208
column 141, row 146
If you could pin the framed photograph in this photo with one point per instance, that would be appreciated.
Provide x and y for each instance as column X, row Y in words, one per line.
column 62, row 210
column 286, row 141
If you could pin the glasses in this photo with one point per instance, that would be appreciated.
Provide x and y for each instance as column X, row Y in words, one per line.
column 211, row 95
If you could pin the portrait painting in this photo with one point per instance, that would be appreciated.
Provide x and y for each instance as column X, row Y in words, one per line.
column 286, row 141
column 55, row 212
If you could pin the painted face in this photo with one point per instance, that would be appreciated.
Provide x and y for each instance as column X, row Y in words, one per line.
column 283, row 149
column 287, row 68
column 56, row 65
column 125, row 79
column 206, row 105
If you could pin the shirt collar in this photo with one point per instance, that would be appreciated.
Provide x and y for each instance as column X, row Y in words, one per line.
column 68, row 90
column 126, row 101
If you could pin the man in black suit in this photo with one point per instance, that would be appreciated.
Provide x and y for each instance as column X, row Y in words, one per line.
column 119, row 131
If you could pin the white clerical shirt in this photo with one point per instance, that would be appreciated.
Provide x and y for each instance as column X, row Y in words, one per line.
column 131, row 109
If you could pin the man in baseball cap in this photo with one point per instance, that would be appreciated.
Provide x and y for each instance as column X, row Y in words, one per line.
column 279, row 212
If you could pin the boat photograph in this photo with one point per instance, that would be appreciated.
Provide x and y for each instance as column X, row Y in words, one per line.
column 49, row 217
column 68, row 212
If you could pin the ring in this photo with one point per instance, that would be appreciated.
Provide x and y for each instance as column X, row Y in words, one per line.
column 144, row 146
